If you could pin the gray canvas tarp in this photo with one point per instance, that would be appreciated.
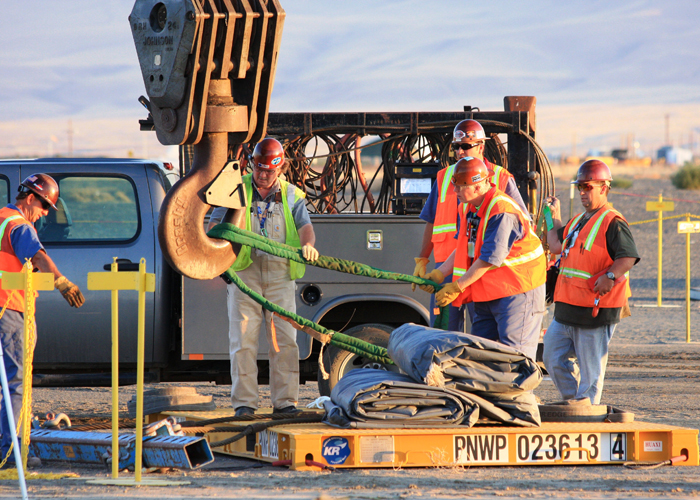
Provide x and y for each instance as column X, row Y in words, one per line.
column 379, row 398
column 498, row 378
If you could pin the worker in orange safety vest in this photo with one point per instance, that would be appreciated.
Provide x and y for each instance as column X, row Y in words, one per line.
column 499, row 263
column 440, row 210
column 597, row 251
column 19, row 242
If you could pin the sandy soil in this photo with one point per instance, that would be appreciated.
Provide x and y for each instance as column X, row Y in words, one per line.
column 653, row 372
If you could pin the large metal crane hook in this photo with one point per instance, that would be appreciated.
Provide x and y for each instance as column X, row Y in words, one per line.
column 180, row 223
column 208, row 67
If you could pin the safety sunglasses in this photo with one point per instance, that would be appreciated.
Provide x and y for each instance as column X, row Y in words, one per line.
column 464, row 147
column 587, row 187
column 44, row 204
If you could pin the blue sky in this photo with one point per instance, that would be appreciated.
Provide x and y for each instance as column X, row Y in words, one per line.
column 600, row 70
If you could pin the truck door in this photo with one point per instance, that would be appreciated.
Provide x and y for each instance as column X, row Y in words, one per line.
column 103, row 213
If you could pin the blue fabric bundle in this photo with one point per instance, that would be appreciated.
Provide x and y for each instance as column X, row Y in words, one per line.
column 378, row 398
column 498, row 378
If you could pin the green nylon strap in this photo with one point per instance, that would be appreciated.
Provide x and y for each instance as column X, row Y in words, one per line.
column 356, row 346
column 235, row 234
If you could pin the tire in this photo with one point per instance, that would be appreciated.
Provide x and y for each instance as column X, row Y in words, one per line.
column 339, row 362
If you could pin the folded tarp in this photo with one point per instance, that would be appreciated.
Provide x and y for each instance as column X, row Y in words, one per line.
column 378, row 398
column 498, row 378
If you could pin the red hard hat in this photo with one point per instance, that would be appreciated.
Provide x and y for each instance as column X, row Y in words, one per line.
column 43, row 186
column 592, row 170
column 268, row 154
column 470, row 171
column 468, row 131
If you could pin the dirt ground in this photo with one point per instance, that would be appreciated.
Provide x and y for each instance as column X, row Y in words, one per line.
column 652, row 372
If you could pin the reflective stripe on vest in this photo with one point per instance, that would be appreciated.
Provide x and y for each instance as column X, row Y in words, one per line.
column 446, row 213
column 5, row 223
column 523, row 269
column 447, row 180
column 594, row 231
column 2, row 233
column 579, row 266
column 9, row 262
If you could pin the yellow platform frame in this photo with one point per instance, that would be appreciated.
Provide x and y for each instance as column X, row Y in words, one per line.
column 560, row 443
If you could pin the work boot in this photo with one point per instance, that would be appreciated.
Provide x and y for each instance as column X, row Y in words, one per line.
column 244, row 411
column 290, row 410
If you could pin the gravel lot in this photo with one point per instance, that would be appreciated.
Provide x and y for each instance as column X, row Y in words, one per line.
column 653, row 372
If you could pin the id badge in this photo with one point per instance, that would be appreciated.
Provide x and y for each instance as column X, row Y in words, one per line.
column 470, row 249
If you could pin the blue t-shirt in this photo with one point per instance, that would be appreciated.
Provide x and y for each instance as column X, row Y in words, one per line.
column 502, row 232
column 25, row 241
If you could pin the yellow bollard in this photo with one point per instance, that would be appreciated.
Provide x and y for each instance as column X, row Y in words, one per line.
column 141, row 282
column 686, row 227
column 660, row 206
column 687, row 284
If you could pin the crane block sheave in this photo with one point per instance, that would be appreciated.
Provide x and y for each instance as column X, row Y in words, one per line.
column 209, row 68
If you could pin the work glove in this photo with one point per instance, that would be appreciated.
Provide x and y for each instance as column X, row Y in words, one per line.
column 420, row 269
column 70, row 291
column 309, row 252
column 447, row 294
column 434, row 275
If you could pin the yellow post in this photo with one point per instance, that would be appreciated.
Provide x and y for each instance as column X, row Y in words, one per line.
column 660, row 206
column 661, row 235
column 141, row 282
column 139, row 369
column 687, row 283
column 115, row 376
column 27, row 368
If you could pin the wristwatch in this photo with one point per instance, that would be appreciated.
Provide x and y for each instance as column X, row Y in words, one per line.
column 610, row 276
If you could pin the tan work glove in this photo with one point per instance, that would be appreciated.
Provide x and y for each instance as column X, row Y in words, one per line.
column 70, row 291
column 309, row 252
column 434, row 275
column 420, row 269
column 447, row 294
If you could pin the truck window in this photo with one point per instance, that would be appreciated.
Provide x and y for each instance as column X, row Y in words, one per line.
column 91, row 209
column 4, row 191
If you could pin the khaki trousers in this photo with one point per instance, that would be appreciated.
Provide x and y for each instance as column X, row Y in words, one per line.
column 269, row 276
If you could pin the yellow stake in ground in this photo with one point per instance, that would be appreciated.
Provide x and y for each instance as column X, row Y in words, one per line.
column 660, row 206
column 686, row 227
column 141, row 282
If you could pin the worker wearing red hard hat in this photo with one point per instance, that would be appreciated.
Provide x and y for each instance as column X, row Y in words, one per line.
column 276, row 210
column 19, row 242
column 597, row 251
column 499, row 263
column 440, row 210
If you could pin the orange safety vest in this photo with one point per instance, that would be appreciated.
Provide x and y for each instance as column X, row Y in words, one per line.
column 9, row 219
column 525, row 267
column 445, row 223
column 446, row 213
column 587, row 257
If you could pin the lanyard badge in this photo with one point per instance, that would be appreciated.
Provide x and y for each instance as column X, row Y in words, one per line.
column 262, row 217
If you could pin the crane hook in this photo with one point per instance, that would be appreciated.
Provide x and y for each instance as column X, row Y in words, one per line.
column 181, row 233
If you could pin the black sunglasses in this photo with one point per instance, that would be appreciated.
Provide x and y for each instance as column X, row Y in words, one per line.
column 464, row 147
column 44, row 204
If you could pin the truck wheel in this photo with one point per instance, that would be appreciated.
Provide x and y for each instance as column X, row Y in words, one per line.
column 338, row 361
